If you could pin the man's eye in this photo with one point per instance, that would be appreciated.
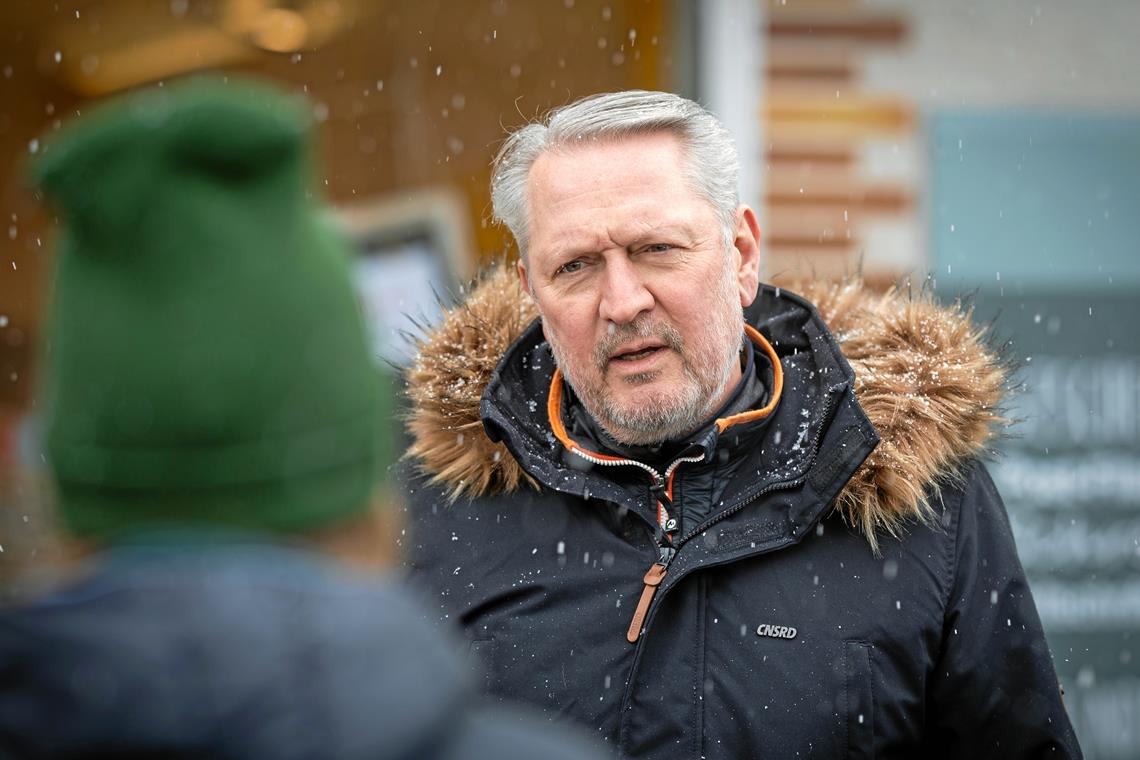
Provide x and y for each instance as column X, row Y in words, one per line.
column 657, row 248
column 570, row 267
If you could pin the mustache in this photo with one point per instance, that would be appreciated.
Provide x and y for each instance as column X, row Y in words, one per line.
column 638, row 328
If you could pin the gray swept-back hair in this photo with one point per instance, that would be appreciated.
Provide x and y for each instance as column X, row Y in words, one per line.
column 711, row 160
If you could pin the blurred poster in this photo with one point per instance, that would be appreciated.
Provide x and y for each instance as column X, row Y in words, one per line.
column 400, row 285
column 415, row 250
column 1039, row 216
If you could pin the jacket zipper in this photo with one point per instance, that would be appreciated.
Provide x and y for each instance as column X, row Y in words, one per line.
column 655, row 575
column 657, row 572
column 653, row 578
column 783, row 485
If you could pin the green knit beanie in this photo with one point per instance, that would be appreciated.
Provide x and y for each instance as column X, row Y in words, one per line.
column 206, row 361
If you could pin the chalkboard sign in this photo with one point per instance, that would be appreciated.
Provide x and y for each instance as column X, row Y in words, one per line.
column 1039, row 216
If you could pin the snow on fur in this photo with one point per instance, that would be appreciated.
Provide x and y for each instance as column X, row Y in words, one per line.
column 931, row 386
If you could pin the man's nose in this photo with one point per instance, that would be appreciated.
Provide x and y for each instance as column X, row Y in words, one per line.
column 624, row 293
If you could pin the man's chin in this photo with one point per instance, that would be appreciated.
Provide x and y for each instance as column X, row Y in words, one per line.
column 644, row 417
column 642, row 378
column 635, row 432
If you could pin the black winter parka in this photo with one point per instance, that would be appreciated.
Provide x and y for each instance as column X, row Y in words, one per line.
column 833, row 603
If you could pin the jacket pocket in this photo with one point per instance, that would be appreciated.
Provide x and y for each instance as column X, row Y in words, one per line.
column 860, row 695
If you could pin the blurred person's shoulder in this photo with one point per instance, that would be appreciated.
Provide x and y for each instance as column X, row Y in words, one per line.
column 165, row 645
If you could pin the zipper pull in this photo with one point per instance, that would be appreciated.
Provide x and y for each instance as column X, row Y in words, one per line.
column 665, row 516
column 658, row 489
column 653, row 578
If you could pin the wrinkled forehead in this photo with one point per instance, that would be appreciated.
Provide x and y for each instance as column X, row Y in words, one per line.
column 656, row 159
column 650, row 166
column 613, row 195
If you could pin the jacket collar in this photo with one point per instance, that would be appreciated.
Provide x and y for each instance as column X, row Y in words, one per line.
column 740, row 410
column 751, row 392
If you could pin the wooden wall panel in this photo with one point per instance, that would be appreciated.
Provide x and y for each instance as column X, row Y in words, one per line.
column 412, row 93
column 821, row 200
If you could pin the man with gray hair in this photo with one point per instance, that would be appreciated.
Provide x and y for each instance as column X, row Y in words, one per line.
column 701, row 515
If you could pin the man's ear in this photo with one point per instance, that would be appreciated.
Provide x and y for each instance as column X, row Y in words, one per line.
column 520, row 267
column 747, row 244
column 524, row 280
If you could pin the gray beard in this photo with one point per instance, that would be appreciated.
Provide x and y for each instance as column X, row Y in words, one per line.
column 661, row 418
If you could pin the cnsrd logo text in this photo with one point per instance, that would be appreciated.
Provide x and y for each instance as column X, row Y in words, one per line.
column 776, row 631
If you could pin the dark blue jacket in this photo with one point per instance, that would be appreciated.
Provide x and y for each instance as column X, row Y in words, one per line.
column 240, row 649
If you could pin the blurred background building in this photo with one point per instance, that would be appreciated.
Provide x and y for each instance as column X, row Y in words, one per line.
column 970, row 147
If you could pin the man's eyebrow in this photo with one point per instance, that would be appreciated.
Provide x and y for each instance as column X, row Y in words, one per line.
column 654, row 233
column 571, row 245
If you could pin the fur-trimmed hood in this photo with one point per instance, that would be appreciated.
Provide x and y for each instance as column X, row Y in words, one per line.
column 925, row 377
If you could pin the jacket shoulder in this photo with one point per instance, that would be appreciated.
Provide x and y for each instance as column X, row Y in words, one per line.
column 452, row 367
column 933, row 387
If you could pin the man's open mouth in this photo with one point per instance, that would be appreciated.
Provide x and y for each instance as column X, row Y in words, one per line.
column 640, row 353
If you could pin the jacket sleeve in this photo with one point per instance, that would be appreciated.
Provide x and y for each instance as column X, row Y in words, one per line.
column 993, row 691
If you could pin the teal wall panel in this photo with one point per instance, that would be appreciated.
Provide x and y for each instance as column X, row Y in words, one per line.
column 1037, row 215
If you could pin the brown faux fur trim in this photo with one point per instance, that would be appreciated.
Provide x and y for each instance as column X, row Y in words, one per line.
column 446, row 383
column 930, row 384
column 925, row 376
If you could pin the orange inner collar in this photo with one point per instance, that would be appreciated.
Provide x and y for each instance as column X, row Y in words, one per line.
column 554, row 400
